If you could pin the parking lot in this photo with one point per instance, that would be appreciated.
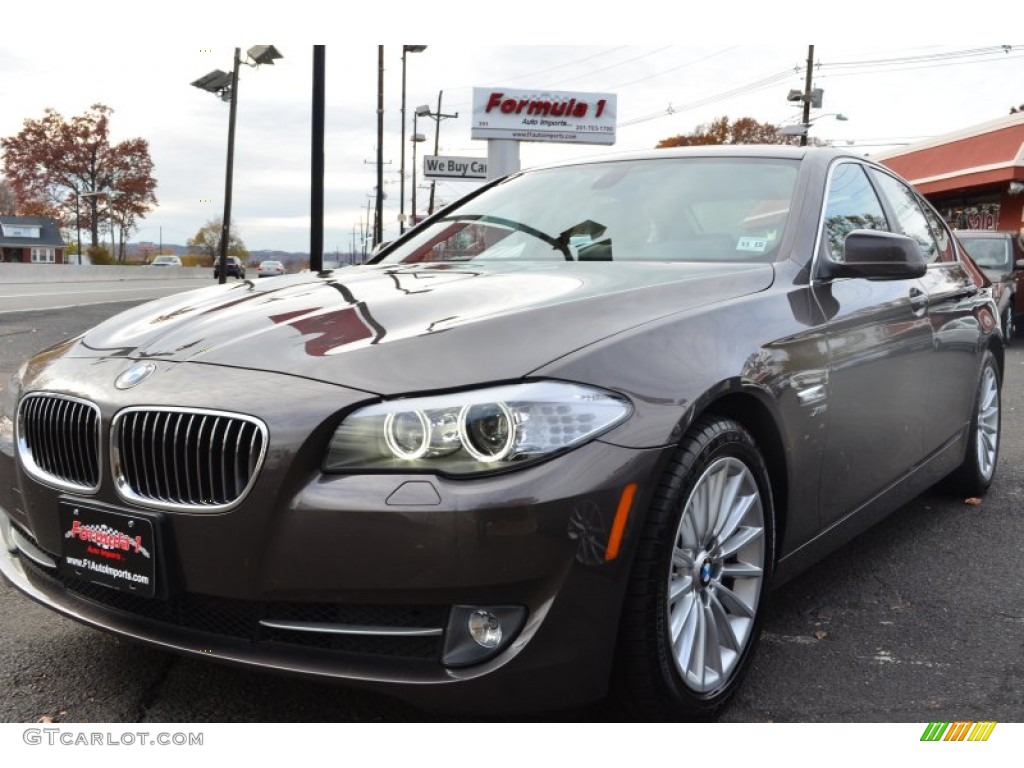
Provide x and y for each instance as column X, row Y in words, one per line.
column 920, row 619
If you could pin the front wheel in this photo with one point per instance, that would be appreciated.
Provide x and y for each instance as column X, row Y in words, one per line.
column 693, row 610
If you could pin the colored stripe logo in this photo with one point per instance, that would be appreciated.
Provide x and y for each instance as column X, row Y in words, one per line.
column 959, row 731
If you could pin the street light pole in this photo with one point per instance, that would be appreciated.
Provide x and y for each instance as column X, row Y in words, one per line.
column 226, row 87
column 229, row 174
column 416, row 138
column 378, row 224
column 401, row 197
column 78, row 226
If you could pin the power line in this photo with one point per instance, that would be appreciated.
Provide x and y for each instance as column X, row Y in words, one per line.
column 947, row 58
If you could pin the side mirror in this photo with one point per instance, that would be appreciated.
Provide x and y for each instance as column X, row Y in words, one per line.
column 1018, row 264
column 876, row 255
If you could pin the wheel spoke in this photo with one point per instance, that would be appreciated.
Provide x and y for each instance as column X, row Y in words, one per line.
column 726, row 511
column 684, row 637
column 739, row 540
column 713, row 653
column 699, row 652
column 725, row 630
column 698, row 512
column 740, row 570
column 681, row 558
column 736, row 515
column 732, row 602
column 680, row 616
column 679, row 587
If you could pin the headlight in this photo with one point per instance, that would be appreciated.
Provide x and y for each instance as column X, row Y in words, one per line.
column 471, row 432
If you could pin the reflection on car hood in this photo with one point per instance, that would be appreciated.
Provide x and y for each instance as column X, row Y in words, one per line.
column 392, row 329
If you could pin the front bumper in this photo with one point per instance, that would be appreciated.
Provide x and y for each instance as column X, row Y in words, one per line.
column 386, row 555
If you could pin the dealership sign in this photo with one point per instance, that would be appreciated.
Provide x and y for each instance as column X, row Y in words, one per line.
column 438, row 167
column 528, row 115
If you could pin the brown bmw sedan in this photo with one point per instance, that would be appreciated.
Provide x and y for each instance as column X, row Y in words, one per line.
column 557, row 440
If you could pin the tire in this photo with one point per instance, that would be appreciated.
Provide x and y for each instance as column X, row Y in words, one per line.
column 974, row 476
column 693, row 609
column 1009, row 326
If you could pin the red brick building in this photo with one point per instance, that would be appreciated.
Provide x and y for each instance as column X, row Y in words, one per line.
column 974, row 177
column 31, row 240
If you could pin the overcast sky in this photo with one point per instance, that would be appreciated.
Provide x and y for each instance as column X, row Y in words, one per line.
column 895, row 87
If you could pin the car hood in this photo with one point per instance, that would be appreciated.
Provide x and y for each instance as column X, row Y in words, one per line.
column 408, row 328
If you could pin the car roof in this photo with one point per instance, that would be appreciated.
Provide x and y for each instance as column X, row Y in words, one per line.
column 813, row 157
column 980, row 233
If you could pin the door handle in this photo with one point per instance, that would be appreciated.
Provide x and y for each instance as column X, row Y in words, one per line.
column 918, row 302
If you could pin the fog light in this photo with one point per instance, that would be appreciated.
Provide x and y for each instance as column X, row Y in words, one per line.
column 485, row 628
column 476, row 633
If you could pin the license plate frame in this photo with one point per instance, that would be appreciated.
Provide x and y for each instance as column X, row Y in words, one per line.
column 115, row 548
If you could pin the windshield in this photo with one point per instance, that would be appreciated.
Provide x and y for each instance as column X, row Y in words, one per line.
column 988, row 252
column 676, row 209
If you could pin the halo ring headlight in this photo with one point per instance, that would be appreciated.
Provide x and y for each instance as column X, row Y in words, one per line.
column 488, row 431
column 400, row 434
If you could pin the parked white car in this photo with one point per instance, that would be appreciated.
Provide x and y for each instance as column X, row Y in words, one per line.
column 165, row 261
column 271, row 268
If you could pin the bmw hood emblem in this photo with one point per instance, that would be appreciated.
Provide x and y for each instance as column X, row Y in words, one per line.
column 135, row 375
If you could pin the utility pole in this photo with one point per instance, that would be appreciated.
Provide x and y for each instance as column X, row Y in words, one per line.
column 378, row 229
column 316, row 185
column 438, row 117
column 807, row 93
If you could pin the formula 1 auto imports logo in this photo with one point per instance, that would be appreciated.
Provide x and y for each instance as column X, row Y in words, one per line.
column 959, row 731
column 107, row 538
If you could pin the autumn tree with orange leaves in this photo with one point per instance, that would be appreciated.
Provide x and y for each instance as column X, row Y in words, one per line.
column 743, row 130
column 52, row 161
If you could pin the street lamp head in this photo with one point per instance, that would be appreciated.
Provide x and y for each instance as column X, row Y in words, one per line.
column 214, row 82
column 422, row 109
column 264, row 54
column 417, row 137
column 414, row 48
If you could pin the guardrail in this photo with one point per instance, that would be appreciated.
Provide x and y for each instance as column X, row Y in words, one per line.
column 72, row 273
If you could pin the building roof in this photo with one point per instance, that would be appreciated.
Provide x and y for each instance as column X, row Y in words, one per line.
column 49, row 232
column 981, row 155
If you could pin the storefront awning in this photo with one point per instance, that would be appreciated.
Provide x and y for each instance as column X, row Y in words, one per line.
column 980, row 156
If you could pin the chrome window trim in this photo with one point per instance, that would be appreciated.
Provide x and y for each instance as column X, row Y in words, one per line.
column 816, row 255
column 127, row 494
column 24, row 453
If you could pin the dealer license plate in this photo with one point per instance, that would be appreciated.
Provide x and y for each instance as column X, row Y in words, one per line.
column 115, row 549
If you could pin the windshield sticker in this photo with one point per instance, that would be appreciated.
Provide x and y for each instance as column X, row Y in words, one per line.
column 758, row 244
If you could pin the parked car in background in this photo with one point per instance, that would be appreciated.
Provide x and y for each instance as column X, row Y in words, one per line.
column 165, row 260
column 235, row 268
column 1001, row 258
column 270, row 268
column 559, row 439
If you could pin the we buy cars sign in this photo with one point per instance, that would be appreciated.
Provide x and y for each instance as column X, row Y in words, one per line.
column 561, row 116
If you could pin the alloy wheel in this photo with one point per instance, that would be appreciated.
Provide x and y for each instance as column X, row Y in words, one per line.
column 715, row 575
column 987, row 436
